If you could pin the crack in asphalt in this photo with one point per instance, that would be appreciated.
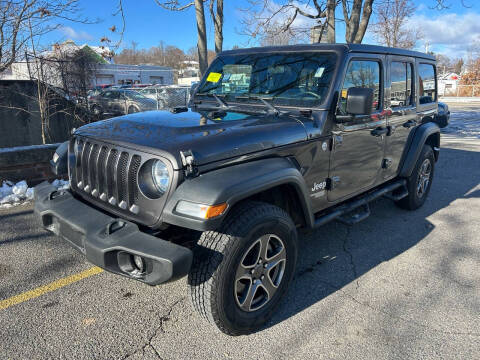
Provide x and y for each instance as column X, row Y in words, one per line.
column 350, row 255
column 160, row 328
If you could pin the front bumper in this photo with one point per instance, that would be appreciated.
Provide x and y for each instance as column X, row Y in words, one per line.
column 109, row 242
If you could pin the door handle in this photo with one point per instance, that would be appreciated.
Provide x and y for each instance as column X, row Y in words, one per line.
column 410, row 123
column 379, row 131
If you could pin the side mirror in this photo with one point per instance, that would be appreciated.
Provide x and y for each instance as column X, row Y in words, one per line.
column 359, row 101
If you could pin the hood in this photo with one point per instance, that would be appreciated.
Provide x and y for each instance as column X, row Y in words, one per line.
column 210, row 140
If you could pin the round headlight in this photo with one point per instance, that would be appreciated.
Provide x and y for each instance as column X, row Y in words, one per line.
column 160, row 175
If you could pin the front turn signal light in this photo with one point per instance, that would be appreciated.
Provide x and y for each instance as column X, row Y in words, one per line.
column 200, row 211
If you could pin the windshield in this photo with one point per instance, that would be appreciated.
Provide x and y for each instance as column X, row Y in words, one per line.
column 290, row 79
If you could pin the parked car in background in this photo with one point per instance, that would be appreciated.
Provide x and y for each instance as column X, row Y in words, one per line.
column 135, row 86
column 113, row 101
column 167, row 97
column 442, row 118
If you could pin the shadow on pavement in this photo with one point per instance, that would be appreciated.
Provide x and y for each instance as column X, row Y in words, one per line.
column 336, row 255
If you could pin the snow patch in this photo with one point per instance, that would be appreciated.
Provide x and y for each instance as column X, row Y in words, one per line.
column 14, row 194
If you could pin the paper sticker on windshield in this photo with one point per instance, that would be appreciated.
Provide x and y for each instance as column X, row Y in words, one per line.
column 214, row 77
column 319, row 72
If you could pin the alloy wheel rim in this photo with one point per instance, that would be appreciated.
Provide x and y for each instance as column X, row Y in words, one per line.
column 424, row 177
column 260, row 273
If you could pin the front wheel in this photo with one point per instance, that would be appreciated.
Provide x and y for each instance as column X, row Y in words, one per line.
column 419, row 183
column 241, row 272
column 132, row 109
column 97, row 110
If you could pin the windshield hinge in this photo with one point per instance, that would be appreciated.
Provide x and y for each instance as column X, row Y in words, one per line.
column 188, row 161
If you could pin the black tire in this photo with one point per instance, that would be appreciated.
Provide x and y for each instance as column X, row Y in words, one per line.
column 97, row 110
column 416, row 198
column 220, row 254
column 132, row 110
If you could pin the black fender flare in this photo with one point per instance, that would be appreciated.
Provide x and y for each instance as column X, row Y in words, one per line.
column 59, row 163
column 419, row 138
column 233, row 184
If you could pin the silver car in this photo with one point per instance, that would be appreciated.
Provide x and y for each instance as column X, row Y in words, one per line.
column 120, row 102
column 167, row 97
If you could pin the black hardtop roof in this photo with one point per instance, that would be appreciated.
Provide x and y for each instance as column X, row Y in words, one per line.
column 374, row 49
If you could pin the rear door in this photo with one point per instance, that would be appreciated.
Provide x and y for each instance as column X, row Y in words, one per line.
column 401, row 110
column 358, row 146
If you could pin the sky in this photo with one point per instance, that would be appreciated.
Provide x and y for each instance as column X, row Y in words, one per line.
column 450, row 31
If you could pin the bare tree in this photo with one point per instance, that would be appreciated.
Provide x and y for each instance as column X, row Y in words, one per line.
column 356, row 19
column 442, row 4
column 217, row 18
column 22, row 21
column 202, row 37
column 391, row 28
column 262, row 18
column 274, row 36
column 179, row 5
column 62, row 78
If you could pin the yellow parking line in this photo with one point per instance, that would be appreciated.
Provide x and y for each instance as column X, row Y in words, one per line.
column 32, row 294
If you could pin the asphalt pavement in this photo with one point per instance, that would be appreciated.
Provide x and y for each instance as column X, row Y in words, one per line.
column 398, row 285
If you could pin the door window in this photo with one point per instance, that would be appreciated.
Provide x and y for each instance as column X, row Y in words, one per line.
column 361, row 73
column 427, row 87
column 401, row 87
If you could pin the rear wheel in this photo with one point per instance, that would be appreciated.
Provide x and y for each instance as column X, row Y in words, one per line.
column 132, row 109
column 241, row 272
column 419, row 183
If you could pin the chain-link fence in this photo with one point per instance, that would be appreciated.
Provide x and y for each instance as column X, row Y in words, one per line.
column 463, row 91
column 167, row 97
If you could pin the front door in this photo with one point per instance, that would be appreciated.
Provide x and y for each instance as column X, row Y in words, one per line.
column 359, row 144
column 117, row 102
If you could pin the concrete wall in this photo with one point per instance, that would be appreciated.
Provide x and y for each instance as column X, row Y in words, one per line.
column 31, row 163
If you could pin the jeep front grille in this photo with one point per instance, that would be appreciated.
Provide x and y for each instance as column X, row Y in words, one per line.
column 107, row 173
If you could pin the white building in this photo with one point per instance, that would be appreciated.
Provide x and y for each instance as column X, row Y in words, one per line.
column 118, row 74
column 105, row 73
column 190, row 73
column 447, row 84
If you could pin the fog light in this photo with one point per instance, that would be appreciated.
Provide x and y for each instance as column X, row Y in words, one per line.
column 139, row 263
column 131, row 264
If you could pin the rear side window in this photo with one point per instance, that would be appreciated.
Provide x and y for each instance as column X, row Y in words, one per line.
column 401, row 88
column 427, row 87
column 361, row 73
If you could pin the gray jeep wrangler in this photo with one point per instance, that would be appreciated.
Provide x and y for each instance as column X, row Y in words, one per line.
column 276, row 139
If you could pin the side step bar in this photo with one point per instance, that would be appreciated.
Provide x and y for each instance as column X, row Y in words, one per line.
column 355, row 216
column 363, row 200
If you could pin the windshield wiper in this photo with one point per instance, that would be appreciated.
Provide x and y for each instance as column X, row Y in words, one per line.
column 222, row 104
column 270, row 108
